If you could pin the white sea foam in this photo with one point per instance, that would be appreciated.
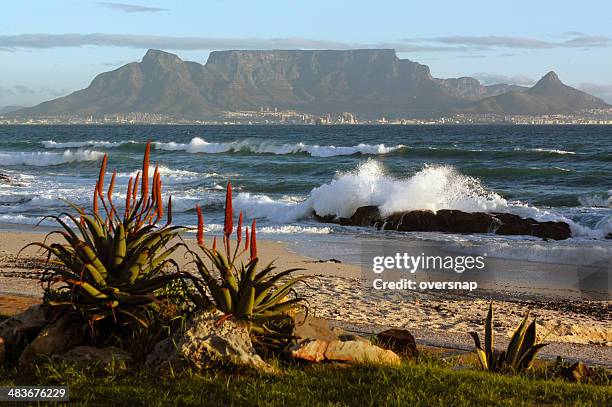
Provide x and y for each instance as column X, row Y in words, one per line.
column 168, row 172
column 89, row 143
column 44, row 159
column 598, row 200
column 545, row 150
column 275, row 229
column 26, row 220
column 294, row 229
column 434, row 187
column 199, row 145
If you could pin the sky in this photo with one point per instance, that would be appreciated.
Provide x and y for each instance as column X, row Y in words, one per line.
column 49, row 48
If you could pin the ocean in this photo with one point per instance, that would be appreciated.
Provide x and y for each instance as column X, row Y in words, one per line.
column 280, row 174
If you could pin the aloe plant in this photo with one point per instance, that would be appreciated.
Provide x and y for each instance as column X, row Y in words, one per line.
column 520, row 353
column 243, row 291
column 111, row 265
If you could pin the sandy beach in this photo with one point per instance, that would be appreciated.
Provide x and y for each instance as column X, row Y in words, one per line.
column 576, row 329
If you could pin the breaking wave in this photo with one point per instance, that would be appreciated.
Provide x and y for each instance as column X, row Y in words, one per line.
column 597, row 200
column 199, row 145
column 546, row 150
column 89, row 143
column 44, row 159
column 432, row 188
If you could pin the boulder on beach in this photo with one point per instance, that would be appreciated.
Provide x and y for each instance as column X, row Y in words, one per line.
column 57, row 337
column 399, row 341
column 206, row 342
column 343, row 351
column 19, row 328
column 453, row 221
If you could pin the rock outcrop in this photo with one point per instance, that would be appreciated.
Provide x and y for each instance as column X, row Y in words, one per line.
column 205, row 343
column 344, row 351
column 453, row 221
column 22, row 327
column 57, row 337
column 398, row 340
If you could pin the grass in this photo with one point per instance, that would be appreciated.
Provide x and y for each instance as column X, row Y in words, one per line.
column 423, row 383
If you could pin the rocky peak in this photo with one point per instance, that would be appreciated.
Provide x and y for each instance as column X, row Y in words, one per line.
column 548, row 80
column 155, row 57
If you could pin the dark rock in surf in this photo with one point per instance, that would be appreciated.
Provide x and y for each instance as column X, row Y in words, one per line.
column 515, row 225
column 444, row 221
column 366, row 216
column 453, row 221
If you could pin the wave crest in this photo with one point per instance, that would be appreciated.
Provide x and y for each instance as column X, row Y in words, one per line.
column 89, row 143
column 45, row 159
column 199, row 145
column 434, row 188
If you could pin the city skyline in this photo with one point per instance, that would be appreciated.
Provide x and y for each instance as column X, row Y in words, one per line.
column 515, row 44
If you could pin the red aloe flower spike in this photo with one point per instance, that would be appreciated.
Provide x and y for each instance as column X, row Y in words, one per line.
column 155, row 185
column 128, row 198
column 145, row 172
column 253, row 240
column 135, row 188
column 246, row 239
column 200, row 226
column 239, row 230
column 160, row 203
column 111, row 187
column 229, row 214
column 214, row 247
column 95, row 199
column 101, row 176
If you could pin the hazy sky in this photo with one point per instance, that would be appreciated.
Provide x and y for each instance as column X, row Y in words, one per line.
column 49, row 48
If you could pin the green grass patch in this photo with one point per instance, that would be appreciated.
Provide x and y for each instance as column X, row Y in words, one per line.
column 426, row 384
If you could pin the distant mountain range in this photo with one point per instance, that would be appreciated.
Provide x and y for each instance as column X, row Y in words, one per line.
column 370, row 83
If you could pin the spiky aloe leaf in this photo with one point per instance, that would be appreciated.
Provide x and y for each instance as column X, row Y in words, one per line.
column 245, row 306
column 512, row 352
column 529, row 356
column 488, row 339
column 120, row 246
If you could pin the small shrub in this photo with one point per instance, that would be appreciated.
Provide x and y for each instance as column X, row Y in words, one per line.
column 521, row 351
column 244, row 291
column 111, row 266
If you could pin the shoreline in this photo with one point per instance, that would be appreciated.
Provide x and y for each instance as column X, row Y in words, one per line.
column 576, row 329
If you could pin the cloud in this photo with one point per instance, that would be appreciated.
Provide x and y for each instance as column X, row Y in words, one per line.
column 6, row 91
column 492, row 41
column 601, row 91
column 493, row 79
column 44, row 41
column 24, row 90
column 463, row 45
column 19, row 90
column 111, row 64
column 131, row 8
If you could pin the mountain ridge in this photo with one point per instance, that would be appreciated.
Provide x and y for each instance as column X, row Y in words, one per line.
column 368, row 82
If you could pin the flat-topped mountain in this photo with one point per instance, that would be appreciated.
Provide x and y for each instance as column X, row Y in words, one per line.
column 369, row 82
